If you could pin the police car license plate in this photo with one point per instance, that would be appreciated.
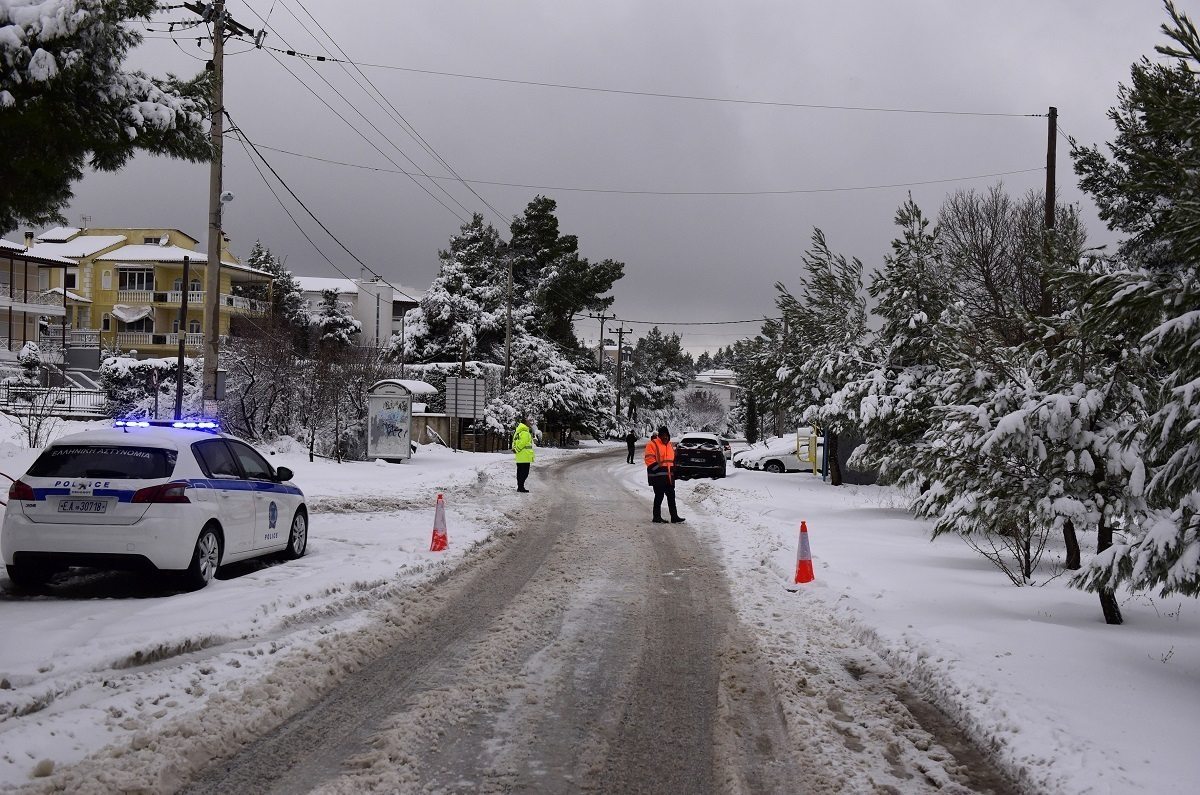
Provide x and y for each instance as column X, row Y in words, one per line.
column 82, row 506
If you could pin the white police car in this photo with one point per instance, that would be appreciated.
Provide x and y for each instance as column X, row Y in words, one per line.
column 173, row 496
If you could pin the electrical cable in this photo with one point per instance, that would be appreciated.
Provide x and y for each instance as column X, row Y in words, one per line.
column 405, row 124
column 663, row 95
column 242, row 136
column 662, row 192
column 369, row 122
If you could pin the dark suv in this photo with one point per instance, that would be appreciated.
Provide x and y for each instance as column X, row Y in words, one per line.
column 699, row 455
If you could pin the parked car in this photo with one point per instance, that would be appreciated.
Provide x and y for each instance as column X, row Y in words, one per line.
column 699, row 455
column 726, row 448
column 153, row 496
column 779, row 454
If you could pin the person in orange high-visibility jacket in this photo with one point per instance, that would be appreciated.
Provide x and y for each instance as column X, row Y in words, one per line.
column 660, row 465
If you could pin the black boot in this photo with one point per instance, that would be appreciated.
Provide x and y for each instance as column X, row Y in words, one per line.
column 677, row 519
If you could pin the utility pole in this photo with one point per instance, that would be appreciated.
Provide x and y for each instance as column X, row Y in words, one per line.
column 1046, row 305
column 621, row 332
column 508, row 323
column 222, row 24
column 183, row 308
column 602, row 318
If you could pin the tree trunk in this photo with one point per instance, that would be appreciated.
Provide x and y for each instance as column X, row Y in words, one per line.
column 831, row 457
column 1108, row 600
column 1072, row 541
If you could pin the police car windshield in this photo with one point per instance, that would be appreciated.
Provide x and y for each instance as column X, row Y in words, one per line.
column 104, row 461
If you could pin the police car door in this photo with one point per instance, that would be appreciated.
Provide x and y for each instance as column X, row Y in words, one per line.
column 268, row 496
column 235, row 496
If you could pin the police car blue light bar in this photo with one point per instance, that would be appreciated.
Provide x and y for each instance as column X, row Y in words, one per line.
column 192, row 425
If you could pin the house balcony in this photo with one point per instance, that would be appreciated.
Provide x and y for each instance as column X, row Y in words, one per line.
column 132, row 340
column 195, row 299
column 42, row 301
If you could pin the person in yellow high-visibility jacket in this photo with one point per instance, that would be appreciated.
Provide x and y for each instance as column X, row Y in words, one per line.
column 660, row 465
column 522, row 445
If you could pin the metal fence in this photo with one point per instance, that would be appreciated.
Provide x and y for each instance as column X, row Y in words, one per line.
column 55, row 400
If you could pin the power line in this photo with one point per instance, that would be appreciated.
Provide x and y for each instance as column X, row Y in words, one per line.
column 657, row 94
column 242, row 136
column 624, row 192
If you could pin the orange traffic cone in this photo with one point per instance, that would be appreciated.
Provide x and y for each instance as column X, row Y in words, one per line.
column 804, row 569
column 439, row 542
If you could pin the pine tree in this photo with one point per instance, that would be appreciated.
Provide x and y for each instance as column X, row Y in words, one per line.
column 898, row 390
column 1149, row 191
column 660, row 369
column 550, row 276
column 462, row 315
column 66, row 104
column 334, row 325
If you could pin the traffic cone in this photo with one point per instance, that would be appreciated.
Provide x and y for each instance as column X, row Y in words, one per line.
column 804, row 569
column 439, row 542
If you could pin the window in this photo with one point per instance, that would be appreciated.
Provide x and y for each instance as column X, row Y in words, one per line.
column 135, row 279
column 71, row 278
column 175, row 326
column 104, row 461
column 253, row 464
column 196, row 286
column 43, row 278
column 145, row 324
column 105, row 322
column 216, row 459
column 193, row 326
column 106, row 280
column 178, row 285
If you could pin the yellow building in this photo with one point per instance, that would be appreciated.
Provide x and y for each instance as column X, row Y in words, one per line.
column 128, row 288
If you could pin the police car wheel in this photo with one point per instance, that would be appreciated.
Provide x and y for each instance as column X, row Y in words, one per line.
column 206, row 557
column 298, row 537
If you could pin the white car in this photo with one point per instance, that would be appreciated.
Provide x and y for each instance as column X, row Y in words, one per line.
column 147, row 495
column 779, row 454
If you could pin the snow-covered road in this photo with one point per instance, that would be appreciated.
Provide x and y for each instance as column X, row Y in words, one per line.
column 565, row 642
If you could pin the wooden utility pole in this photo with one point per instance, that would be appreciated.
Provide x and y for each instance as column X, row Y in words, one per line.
column 183, row 308
column 508, row 324
column 212, row 276
column 602, row 318
column 1046, row 305
column 621, row 332
column 222, row 24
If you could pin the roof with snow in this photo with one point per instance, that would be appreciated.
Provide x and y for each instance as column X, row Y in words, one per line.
column 59, row 234
column 316, row 284
column 77, row 248
column 150, row 252
column 72, row 296
column 40, row 256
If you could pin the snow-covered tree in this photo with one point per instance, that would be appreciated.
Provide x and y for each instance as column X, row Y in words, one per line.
column 822, row 344
column 660, row 369
column 285, row 294
column 463, row 314
column 552, row 278
column 66, row 103
column 896, row 394
column 1150, row 191
column 335, row 326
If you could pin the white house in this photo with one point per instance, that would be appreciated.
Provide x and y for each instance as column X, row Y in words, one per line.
column 378, row 305
column 718, row 382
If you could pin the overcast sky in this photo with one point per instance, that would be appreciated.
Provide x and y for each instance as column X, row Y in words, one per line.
column 609, row 156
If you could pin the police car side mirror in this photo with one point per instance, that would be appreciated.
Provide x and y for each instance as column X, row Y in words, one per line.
column 283, row 473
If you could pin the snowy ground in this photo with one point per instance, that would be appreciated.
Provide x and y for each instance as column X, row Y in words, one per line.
column 1067, row 703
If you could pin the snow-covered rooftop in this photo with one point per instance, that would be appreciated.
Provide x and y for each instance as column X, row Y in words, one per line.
column 76, row 248
column 70, row 295
column 316, row 284
column 149, row 252
column 59, row 234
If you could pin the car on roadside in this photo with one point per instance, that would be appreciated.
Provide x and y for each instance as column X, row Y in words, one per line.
column 779, row 454
column 699, row 455
column 178, row 497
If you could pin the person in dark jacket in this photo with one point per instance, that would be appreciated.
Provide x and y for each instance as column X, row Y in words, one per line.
column 630, row 439
column 660, row 465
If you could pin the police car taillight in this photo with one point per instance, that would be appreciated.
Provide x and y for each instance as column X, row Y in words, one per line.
column 21, row 492
column 164, row 492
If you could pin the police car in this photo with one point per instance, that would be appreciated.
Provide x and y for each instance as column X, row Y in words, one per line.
column 168, row 495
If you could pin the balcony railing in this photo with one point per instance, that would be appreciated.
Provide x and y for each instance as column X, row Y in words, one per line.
column 195, row 299
column 22, row 296
column 133, row 339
